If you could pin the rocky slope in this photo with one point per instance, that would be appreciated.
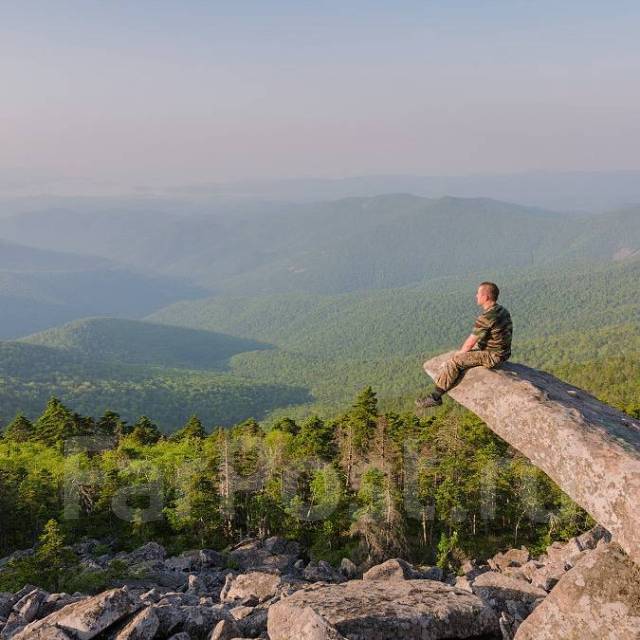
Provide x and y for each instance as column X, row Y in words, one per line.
column 272, row 592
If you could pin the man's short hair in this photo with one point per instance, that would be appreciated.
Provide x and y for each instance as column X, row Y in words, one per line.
column 492, row 290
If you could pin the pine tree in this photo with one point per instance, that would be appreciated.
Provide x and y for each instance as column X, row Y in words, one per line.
column 145, row 432
column 363, row 416
column 56, row 424
column 111, row 424
column 55, row 562
column 20, row 429
column 193, row 429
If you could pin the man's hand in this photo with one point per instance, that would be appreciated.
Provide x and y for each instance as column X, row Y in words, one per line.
column 469, row 343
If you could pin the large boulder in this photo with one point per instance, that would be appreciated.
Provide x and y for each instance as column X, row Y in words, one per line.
column 589, row 449
column 225, row 630
column 47, row 632
column 395, row 569
column 510, row 558
column 255, row 585
column 512, row 599
column 321, row 571
column 6, row 603
column 144, row 626
column 145, row 553
column 348, row 569
column 599, row 598
column 274, row 555
column 498, row 590
column 29, row 606
column 87, row 618
column 377, row 610
column 199, row 621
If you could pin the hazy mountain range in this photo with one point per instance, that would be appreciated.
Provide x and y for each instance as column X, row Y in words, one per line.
column 567, row 191
column 296, row 304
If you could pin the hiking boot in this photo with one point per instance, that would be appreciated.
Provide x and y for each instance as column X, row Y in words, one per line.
column 427, row 402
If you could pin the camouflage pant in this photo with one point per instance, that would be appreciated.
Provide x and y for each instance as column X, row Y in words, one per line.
column 453, row 367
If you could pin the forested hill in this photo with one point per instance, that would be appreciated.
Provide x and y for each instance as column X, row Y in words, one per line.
column 334, row 247
column 30, row 374
column 137, row 342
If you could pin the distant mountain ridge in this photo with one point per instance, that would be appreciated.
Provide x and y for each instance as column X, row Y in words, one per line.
column 41, row 288
column 329, row 247
column 17, row 257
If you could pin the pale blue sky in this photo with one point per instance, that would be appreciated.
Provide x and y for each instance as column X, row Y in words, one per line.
column 183, row 91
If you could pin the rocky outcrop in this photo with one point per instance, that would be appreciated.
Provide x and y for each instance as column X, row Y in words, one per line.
column 395, row 598
column 381, row 610
column 591, row 450
column 599, row 598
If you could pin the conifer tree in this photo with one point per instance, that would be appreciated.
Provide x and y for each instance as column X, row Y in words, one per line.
column 20, row 429
column 192, row 429
column 145, row 432
column 111, row 424
column 56, row 424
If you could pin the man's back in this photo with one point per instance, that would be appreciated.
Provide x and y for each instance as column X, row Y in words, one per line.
column 494, row 329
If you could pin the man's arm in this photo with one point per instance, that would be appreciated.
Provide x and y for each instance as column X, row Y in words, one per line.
column 469, row 343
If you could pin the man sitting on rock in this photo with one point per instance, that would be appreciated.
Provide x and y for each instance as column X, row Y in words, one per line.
column 488, row 345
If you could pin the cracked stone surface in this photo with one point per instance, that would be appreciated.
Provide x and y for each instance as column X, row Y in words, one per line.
column 421, row 609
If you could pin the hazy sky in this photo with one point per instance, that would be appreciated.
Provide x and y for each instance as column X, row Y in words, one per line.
column 185, row 91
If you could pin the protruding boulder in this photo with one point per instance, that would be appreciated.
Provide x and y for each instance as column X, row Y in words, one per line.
column 591, row 450
column 420, row 609
column 599, row 598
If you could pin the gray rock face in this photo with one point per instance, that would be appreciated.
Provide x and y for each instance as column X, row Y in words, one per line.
column 376, row 610
column 599, row 598
column 589, row 449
